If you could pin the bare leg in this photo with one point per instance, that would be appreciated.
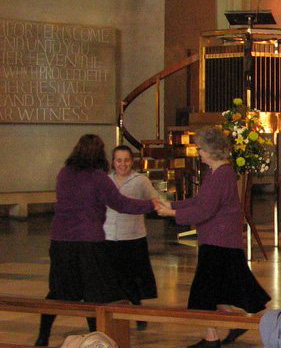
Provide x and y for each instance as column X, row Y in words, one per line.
column 224, row 308
column 233, row 333
column 211, row 340
column 211, row 334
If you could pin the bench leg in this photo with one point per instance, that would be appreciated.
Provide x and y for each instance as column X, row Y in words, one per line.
column 118, row 330
column 18, row 210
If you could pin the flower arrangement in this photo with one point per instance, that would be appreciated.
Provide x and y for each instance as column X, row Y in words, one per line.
column 250, row 151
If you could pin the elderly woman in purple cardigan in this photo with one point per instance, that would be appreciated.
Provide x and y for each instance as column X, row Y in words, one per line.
column 80, row 269
column 222, row 277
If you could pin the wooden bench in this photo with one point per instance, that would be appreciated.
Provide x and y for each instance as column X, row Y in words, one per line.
column 185, row 316
column 117, row 329
column 19, row 201
column 8, row 345
column 114, row 319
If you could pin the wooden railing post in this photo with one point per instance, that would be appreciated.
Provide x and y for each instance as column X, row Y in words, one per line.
column 158, row 108
column 245, row 184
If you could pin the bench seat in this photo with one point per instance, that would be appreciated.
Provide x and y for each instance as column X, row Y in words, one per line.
column 19, row 201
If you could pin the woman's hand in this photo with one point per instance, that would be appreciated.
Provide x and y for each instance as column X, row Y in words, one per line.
column 160, row 202
column 165, row 203
column 164, row 209
column 156, row 203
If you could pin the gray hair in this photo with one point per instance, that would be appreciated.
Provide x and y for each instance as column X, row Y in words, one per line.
column 214, row 141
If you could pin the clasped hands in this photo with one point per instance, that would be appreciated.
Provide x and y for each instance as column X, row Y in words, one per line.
column 163, row 207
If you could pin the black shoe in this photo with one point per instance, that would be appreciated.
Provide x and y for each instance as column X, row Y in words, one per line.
column 206, row 344
column 232, row 335
column 41, row 342
column 141, row 325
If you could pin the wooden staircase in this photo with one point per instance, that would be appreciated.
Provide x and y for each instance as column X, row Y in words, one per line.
column 172, row 166
column 157, row 158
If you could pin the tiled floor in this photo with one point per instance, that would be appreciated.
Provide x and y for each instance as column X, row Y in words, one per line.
column 24, row 265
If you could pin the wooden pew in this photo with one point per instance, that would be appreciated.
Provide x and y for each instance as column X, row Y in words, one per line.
column 118, row 330
column 114, row 318
column 186, row 316
column 8, row 345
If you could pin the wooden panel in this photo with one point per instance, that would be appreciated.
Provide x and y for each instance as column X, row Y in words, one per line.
column 56, row 73
column 205, row 118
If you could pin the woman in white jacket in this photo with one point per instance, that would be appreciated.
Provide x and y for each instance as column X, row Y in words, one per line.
column 126, row 234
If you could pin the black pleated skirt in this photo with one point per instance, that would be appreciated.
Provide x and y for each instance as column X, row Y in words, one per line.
column 82, row 271
column 132, row 267
column 223, row 277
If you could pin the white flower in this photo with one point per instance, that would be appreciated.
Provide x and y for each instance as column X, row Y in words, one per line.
column 266, row 168
column 240, row 130
column 234, row 134
column 268, row 160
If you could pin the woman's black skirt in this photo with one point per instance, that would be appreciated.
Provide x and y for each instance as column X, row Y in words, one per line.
column 132, row 267
column 82, row 271
column 223, row 277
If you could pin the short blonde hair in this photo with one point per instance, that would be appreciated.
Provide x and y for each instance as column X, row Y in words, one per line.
column 214, row 141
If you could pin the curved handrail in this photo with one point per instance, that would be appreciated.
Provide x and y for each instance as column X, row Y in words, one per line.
column 143, row 87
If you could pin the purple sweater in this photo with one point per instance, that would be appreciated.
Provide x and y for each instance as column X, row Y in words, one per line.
column 82, row 197
column 215, row 211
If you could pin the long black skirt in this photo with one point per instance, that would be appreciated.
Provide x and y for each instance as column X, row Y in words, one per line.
column 223, row 277
column 82, row 271
column 132, row 267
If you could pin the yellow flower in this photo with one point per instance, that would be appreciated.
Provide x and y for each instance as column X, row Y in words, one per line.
column 239, row 140
column 236, row 116
column 268, row 141
column 261, row 140
column 240, row 161
column 252, row 114
column 226, row 132
column 240, row 147
column 253, row 136
column 237, row 101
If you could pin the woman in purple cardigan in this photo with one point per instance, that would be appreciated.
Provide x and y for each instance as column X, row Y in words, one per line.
column 79, row 268
column 222, row 277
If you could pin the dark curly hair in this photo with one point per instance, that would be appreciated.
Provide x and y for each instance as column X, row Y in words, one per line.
column 88, row 154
